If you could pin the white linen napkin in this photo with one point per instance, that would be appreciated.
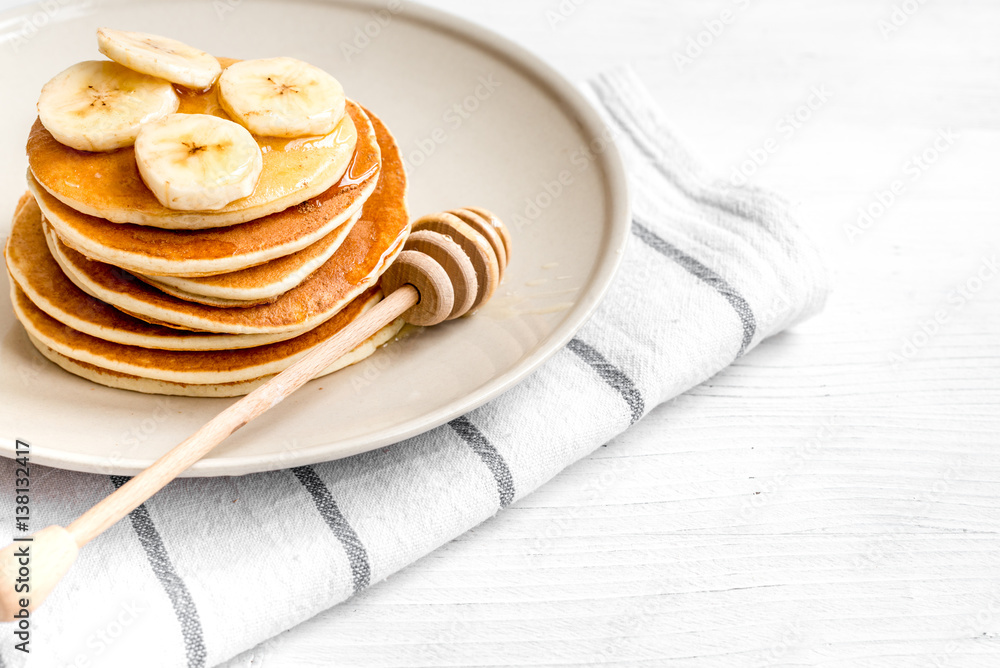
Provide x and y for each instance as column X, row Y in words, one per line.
column 211, row 567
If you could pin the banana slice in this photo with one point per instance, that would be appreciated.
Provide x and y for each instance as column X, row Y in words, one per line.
column 196, row 162
column 282, row 97
column 160, row 57
column 99, row 105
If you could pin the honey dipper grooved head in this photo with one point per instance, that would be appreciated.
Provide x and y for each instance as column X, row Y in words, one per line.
column 466, row 248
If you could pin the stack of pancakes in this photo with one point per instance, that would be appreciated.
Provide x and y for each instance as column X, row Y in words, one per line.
column 116, row 288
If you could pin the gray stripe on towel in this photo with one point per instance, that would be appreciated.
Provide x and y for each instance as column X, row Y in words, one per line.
column 163, row 568
column 611, row 375
column 357, row 555
column 488, row 453
column 705, row 274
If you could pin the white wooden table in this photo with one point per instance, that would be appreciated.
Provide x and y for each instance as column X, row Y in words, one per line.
column 821, row 502
column 834, row 498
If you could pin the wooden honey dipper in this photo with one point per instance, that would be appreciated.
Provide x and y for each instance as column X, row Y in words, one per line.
column 451, row 264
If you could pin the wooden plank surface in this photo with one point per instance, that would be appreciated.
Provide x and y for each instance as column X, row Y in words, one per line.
column 834, row 498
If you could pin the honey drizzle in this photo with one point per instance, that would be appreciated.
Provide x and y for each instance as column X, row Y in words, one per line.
column 351, row 178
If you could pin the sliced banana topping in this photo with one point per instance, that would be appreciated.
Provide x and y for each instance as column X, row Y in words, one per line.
column 196, row 162
column 282, row 97
column 100, row 105
column 160, row 57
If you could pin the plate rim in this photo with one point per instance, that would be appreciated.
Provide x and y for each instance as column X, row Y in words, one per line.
column 609, row 160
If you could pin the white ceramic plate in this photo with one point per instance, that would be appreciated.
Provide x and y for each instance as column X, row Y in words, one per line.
column 481, row 123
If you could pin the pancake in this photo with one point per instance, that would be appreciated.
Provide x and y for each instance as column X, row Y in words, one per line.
column 199, row 367
column 374, row 242
column 153, row 251
column 219, row 373
column 34, row 271
column 126, row 381
column 256, row 285
column 108, row 184
column 21, row 203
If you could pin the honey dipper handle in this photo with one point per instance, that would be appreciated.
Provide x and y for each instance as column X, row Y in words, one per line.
column 54, row 549
column 433, row 280
column 140, row 488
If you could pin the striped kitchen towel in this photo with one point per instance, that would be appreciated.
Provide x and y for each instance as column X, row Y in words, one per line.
column 192, row 579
